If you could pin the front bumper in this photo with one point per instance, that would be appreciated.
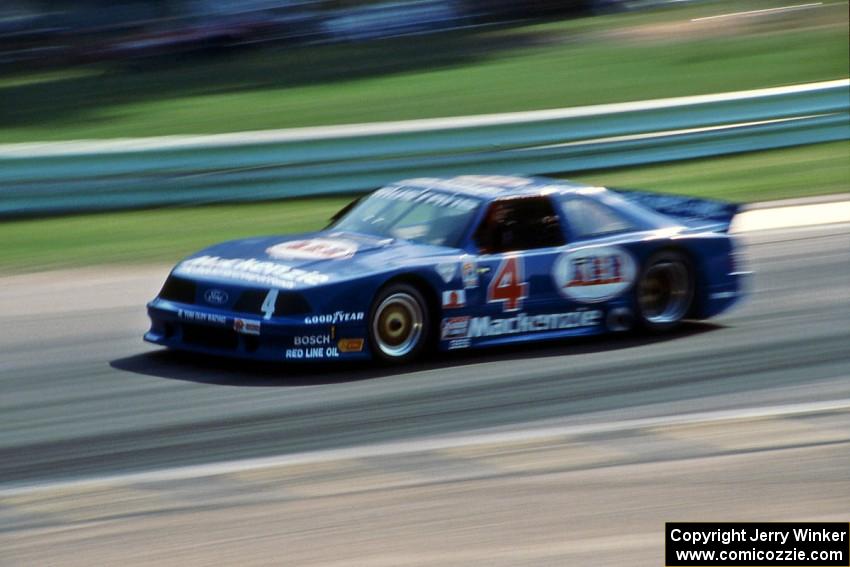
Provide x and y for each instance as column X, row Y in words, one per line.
column 221, row 333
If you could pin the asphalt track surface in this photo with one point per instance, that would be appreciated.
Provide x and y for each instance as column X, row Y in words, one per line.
column 81, row 397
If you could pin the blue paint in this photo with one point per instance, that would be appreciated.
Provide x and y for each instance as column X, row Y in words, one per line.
column 309, row 297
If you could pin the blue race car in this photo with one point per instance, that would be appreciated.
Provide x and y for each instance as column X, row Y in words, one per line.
column 466, row 262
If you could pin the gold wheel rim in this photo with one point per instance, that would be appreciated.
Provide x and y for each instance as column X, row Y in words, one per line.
column 397, row 324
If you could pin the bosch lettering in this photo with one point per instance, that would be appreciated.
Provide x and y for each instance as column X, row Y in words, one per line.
column 312, row 340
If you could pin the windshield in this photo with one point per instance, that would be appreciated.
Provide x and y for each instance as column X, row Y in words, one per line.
column 419, row 215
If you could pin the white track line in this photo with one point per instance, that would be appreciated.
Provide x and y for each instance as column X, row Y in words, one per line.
column 430, row 444
column 118, row 145
column 749, row 13
column 792, row 217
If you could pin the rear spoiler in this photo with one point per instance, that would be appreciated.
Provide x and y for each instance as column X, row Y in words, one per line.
column 693, row 212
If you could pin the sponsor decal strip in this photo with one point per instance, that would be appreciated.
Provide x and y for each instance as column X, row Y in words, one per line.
column 436, row 198
column 246, row 326
column 350, row 345
column 311, row 353
column 454, row 328
column 470, row 274
column 334, row 318
column 257, row 271
column 201, row 317
column 522, row 323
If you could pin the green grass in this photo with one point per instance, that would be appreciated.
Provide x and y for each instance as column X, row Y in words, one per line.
column 762, row 176
column 567, row 63
column 159, row 235
column 165, row 235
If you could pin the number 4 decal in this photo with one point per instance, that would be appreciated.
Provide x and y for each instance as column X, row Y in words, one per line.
column 269, row 304
column 507, row 285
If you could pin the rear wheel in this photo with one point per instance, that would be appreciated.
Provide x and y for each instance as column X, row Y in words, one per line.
column 665, row 290
column 398, row 324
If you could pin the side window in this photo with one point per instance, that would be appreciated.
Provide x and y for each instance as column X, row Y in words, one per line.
column 522, row 223
column 588, row 218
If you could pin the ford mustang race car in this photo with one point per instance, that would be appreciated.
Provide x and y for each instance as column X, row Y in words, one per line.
column 466, row 262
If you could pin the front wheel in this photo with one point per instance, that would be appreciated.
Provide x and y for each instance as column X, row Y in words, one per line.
column 398, row 324
column 665, row 290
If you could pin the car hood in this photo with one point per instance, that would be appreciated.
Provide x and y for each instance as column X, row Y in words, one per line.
column 303, row 260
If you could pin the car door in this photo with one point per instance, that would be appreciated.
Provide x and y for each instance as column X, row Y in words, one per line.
column 518, row 241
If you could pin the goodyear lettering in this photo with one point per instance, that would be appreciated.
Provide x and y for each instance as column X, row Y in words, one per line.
column 334, row 318
column 522, row 323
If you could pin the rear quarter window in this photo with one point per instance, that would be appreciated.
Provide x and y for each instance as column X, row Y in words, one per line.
column 588, row 219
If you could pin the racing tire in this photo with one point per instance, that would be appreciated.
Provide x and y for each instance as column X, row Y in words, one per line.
column 399, row 324
column 664, row 291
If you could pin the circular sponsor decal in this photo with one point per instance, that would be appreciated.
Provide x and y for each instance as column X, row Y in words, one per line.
column 313, row 249
column 594, row 274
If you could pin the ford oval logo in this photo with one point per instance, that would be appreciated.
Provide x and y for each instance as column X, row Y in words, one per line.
column 216, row 296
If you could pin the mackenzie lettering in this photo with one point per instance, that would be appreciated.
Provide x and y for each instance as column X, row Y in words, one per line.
column 522, row 323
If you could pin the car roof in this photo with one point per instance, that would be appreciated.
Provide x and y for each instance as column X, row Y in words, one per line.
column 491, row 187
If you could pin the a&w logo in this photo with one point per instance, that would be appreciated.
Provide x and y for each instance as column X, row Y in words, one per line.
column 591, row 275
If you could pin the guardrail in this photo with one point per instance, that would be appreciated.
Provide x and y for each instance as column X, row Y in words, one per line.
column 61, row 177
